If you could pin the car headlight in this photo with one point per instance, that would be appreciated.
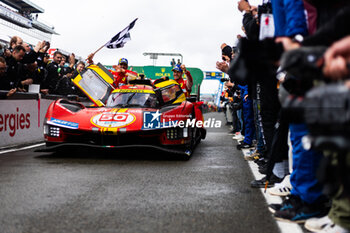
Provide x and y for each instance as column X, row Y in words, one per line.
column 174, row 133
column 46, row 129
column 52, row 131
column 185, row 132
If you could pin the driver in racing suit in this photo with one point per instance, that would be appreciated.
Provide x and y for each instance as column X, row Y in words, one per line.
column 121, row 74
column 186, row 85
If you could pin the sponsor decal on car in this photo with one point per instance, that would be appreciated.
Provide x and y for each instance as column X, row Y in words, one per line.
column 63, row 123
column 113, row 119
column 132, row 91
column 151, row 120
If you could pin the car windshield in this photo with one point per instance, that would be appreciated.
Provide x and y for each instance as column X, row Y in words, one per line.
column 132, row 99
column 169, row 94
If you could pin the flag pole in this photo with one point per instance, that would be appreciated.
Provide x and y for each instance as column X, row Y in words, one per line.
column 100, row 48
column 93, row 54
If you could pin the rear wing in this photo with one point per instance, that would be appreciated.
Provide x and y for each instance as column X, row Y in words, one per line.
column 96, row 82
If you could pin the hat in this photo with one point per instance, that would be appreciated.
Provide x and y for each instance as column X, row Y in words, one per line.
column 177, row 68
column 123, row 60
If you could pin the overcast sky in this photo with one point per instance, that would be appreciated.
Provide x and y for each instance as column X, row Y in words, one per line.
column 194, row 28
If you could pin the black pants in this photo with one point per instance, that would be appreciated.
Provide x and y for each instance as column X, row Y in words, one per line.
column 279, row 146
column 269, row 109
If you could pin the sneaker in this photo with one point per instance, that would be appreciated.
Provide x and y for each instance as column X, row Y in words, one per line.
column 260, row 161
column 334, row 228
column 263, row 169
column 299, row 212
column 261, row 183
column 244, row 145
column 282, row 189
column 231, row 132
column 318, row 224
column 238, row 136
column 288, row 203
column 274, row 207
column 251, row 151
column 254, row 156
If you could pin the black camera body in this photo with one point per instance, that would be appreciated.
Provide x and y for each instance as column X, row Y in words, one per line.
column 304, row 69
column 327, row 114
column 326, row 111
column 225, row 79
column 304, row 63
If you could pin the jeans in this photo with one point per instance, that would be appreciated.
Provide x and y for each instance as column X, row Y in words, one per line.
column 248, row 117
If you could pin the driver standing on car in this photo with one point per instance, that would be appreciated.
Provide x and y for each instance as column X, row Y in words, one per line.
column 121, row 74
column 186, row 85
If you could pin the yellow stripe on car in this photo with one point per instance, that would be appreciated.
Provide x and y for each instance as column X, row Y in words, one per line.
column 132, row 91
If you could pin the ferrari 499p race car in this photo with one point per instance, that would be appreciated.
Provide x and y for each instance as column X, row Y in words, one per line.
column 140, row 114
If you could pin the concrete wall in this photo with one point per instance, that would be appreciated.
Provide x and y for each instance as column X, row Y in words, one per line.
column 21, row 118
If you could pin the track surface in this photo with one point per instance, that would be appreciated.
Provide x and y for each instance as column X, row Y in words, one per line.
column 133, row 191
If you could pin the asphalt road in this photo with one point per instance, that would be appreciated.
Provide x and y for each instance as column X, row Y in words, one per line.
column 89, row 191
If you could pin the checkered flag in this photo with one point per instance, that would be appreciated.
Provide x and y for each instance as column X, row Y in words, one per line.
column 121, row 38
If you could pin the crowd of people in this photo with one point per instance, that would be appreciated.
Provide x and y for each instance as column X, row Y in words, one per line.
column 269, row 74
column 21, row 65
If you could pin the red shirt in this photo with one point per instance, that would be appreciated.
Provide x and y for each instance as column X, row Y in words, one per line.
column 183, row 84
column 121, row 78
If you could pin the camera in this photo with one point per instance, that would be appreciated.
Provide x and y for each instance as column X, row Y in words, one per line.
column 304, row 69
column 304, row 63
column 142, row 76
column 225, row 79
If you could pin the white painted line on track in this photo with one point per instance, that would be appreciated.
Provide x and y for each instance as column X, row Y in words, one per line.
column 21, row 148
column 285, row 227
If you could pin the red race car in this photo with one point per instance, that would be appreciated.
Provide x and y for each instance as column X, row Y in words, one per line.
column 140, row 114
